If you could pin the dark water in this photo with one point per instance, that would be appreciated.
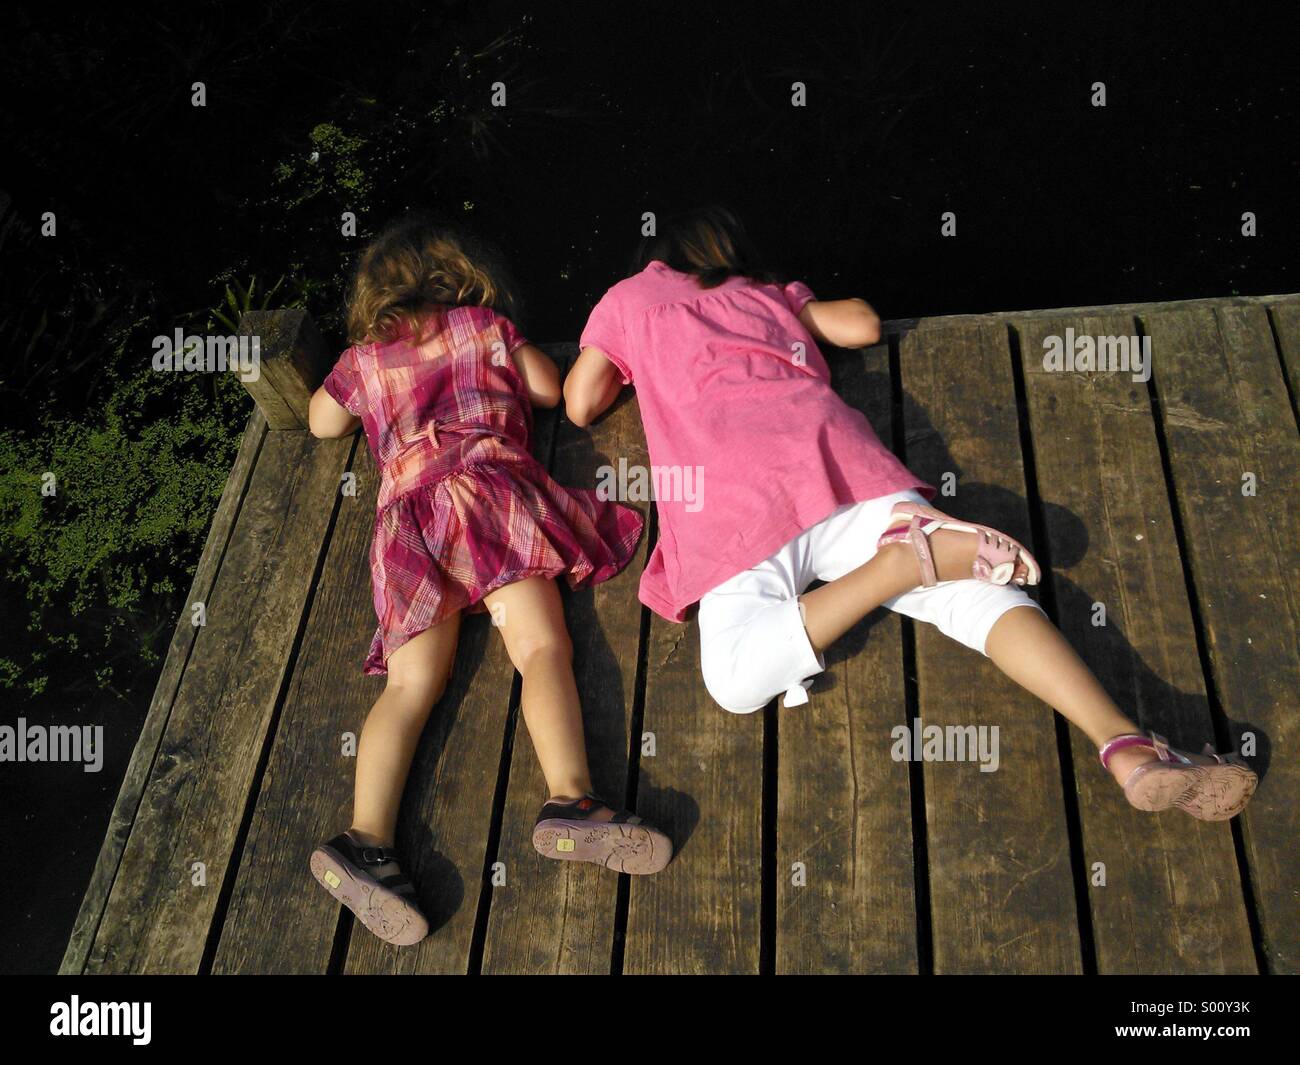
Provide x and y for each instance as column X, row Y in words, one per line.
column 613, row 110
column 985, row 114
column 618, row 109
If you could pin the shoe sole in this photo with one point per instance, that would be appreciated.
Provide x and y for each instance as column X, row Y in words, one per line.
column 635, row 849
column 1208, row 793
column 384, row 912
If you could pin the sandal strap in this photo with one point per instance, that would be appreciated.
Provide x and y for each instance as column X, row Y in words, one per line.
column 1167, row 753
column 377, row 855
column 914, row 535
column 1119, row 743
column 583, row 809
column 920, row 541
column 574, row 810
column 1152, row 741
column 362, row 855
column 992, row 564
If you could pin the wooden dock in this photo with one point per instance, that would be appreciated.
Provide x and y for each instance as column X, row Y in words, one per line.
column 802, row 845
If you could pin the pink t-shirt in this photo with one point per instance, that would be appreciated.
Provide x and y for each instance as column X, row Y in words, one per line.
column 749, row 444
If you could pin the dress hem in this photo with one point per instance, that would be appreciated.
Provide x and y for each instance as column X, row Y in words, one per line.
column 474, row 604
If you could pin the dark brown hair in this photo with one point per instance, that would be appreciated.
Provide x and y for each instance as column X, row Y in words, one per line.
column 418, row 262
column 709, row 242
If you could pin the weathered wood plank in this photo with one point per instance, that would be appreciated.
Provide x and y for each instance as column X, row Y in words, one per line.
column 843, row 806
column 1113, row 544
column 291, row 365
column 1000, row 878
column 704, row 787
column 550, row 916
column 178, row 654
column 1285, row 316
column 306, row 792
column 906, row 325
column 447, row 809
column 1226, row 418
column 1002, row 892
column 156, row 919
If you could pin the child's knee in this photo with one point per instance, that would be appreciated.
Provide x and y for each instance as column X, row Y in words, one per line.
column 990, row 622
column 418, row 689
column 728, row 689
column 970, row 618
column 732, row 699
column 546, row 645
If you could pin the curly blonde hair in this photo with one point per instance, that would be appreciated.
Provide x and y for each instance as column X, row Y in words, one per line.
column 415, row 264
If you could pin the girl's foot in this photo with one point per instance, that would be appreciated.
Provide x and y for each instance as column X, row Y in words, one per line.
column 590, row 830
column 949, row 549
column 1209, row 786
column 370, row 883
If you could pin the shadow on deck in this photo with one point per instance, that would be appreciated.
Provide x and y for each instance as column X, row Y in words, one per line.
column 1166, row 510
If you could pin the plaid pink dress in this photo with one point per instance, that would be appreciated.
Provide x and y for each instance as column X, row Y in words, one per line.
column 463, row 506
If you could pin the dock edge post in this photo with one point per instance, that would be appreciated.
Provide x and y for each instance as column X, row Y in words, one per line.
column 293, row 362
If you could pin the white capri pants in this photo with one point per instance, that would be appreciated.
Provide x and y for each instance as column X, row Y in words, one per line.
column 753, row 645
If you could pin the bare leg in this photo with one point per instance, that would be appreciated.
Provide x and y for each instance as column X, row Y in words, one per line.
column 530, row 616
column 834, row 608
column 417, row 677
column 1030, row 650
column 1023, row 643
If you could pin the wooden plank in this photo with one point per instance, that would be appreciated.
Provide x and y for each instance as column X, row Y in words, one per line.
column 843, row 807
column 1224, row 412
column 704, row 787
column 160, row 706
column 558, row 917
column 900, row 326
column 157, row 919
column 448, row 806
column 1285, row 316
column 1113, row 543
column 1001, row 883
column 291, row 365
column 1226, row 415
column 306, row 792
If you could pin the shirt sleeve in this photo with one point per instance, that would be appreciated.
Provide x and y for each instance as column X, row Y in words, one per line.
column 510, row 335
column 604, row 330
column 797, row 295
column 343, row 383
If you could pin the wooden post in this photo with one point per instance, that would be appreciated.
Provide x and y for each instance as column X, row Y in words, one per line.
column 293, row 364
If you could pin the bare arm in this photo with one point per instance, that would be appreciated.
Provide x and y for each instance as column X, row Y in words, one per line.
column 591, row 387
column 844, row 323
column 327, row 418
column 541, row 375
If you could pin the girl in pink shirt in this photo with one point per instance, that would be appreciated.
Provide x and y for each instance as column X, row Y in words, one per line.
column 790, row 485
column 466, row 520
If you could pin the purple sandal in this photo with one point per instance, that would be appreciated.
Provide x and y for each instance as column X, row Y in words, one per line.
column 624, row 843
column 1209, row 786
column 995, row 557
column 370, row 883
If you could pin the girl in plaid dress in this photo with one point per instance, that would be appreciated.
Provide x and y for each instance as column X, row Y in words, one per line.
column 466, row 520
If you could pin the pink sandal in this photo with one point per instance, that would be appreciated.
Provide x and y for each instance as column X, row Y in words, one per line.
column 995, row 558
column 1209, row 786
